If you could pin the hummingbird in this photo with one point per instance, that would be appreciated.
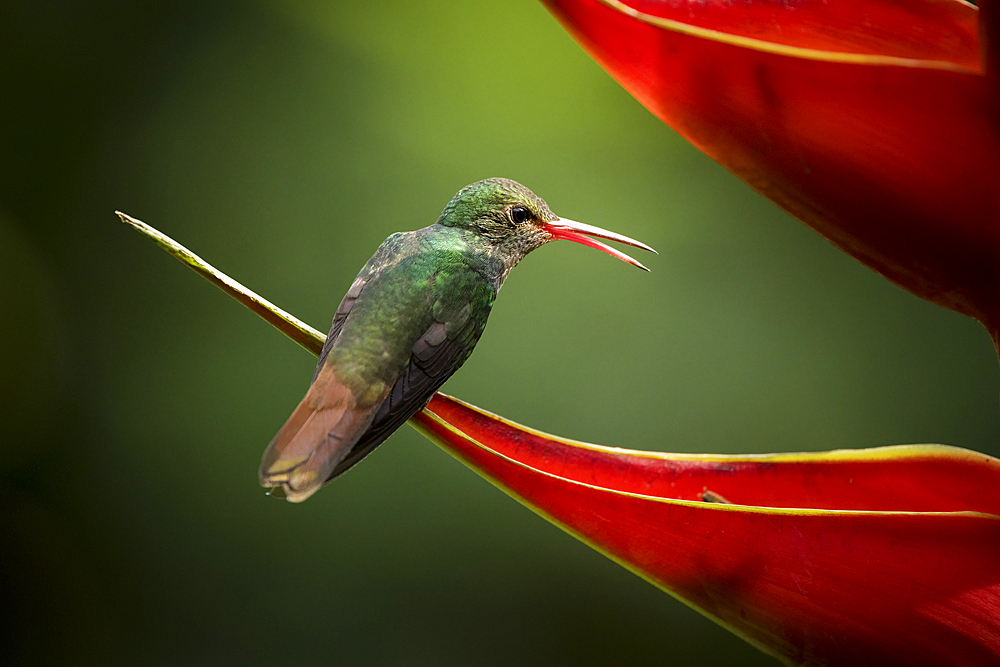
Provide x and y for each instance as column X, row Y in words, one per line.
column 411, row 318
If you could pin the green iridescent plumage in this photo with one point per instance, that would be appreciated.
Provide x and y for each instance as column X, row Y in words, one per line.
column 411, row 318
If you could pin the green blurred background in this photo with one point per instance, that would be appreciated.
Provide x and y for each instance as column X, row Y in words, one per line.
column 283, row 141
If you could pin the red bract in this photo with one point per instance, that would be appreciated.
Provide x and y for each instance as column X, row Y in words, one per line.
column 873, row 121
column 880, row 556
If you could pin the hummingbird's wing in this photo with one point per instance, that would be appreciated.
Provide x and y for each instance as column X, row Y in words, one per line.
column 332, row 428
column 436, row 356
column 343, row 310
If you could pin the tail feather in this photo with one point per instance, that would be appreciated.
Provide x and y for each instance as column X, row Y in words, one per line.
column 316, row 437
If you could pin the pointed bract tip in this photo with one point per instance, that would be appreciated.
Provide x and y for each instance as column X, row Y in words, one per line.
column 134, row 222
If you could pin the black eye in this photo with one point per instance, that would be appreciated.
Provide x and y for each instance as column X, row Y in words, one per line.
column 519, row 214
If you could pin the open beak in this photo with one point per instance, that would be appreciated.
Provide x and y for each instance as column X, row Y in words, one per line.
column 570, row 230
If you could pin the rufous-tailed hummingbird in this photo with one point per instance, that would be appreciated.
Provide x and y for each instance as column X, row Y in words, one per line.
column 410, row 320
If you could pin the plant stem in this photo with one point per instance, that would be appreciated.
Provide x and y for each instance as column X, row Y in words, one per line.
column 303, row 334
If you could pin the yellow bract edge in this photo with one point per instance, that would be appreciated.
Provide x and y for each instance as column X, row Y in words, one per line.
column 783, row 49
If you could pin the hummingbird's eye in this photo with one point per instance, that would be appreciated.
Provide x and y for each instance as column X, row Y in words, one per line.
column 519, row 214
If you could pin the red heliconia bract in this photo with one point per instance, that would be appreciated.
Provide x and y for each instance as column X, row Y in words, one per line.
column 873, row 121
column 883, row 556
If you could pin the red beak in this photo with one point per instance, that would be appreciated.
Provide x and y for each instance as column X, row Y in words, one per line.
column 570, row 230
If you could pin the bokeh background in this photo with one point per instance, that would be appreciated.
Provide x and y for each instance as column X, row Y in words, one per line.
column 283, row 141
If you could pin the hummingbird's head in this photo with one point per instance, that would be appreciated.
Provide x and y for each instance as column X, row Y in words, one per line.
column 513, row 221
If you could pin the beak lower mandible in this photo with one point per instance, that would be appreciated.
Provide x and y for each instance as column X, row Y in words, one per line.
column 570, row 230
